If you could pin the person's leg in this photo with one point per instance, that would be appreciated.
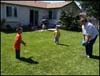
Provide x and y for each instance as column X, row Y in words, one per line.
column 57, row 40
column 91, row 46
column 90, row 49
column 17, row 53
column 87, row 49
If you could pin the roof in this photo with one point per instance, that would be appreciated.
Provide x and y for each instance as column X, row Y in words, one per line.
column 27, row 3
column 58, row 5
column 40, row 4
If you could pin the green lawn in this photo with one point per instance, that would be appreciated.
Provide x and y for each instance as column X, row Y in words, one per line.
column 66, row 59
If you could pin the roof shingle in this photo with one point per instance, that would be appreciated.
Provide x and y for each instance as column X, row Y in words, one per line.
column 38, row 4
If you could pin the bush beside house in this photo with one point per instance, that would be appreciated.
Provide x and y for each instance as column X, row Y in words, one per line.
column 69, row 22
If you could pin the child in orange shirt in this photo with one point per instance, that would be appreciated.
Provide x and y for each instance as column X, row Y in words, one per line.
column 56, row 35
column 18, row 41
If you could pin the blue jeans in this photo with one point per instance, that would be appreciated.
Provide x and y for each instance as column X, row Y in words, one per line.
column 89, row 47
column 17, row 53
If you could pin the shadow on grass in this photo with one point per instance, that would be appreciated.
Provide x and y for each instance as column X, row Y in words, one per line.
column 63, row 44
column 95, row 57
column 28, row 60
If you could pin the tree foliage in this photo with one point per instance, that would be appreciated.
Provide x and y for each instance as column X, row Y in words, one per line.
column 92, row 7
column 69, row 22
column 66, row 19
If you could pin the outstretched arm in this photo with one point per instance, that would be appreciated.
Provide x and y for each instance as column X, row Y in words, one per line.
column 23, row 43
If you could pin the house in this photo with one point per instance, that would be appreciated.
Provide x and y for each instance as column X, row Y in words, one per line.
column 32, row 12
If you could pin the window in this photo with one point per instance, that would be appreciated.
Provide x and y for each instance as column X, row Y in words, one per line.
column 34, row 17
column 8, row 11
column 15, row 12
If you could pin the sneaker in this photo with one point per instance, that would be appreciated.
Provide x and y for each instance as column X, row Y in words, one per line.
column 88, row 56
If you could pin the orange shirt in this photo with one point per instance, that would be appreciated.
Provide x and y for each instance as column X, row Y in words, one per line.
column 18, row 40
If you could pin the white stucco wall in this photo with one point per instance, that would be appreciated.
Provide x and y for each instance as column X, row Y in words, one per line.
column 55, row 16
column 2, row 11
column 23, row 14
column 42, row 13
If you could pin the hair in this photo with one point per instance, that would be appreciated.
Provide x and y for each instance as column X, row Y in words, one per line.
column 19, row 28
column 83, row 19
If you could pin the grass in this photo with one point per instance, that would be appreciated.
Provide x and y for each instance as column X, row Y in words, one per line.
column 66, row 59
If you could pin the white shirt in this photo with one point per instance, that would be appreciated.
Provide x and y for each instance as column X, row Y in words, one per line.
column 89, row 29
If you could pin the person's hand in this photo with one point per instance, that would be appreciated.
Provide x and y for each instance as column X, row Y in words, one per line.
column 24, row 44
column 84, row 43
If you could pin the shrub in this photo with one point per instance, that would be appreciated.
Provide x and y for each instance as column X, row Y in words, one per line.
column 69, row 22
column 2, row 21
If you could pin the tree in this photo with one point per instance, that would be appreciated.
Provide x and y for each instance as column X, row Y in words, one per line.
column 66, row 19
column 69, row 22
column 92, row 7
column 63, row 19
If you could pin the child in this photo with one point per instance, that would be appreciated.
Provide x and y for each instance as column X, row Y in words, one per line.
column 43, row 27
column 56, row 35
column 18, row 41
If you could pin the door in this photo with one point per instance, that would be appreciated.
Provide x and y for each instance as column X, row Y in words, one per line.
column 34, row 17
